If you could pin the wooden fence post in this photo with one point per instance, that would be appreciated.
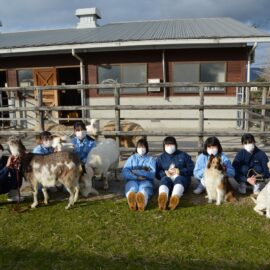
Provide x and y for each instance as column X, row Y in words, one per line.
column 264, row 97
column 11, row 104
column 117, row 113
column 40, row 113
column 247, row 115
column 201, row 117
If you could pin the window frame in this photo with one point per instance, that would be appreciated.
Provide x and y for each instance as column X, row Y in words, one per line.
column 223, row 90
column 99, row 91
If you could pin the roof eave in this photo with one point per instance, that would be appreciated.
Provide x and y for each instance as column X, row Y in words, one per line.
column 142, row 44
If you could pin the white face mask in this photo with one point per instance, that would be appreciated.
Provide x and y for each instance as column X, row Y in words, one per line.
column 81, row 134
column 212, row 151
column 170, row 149
column 249, row 147
column 1, row 153
column 47, row 144
column 141, row 151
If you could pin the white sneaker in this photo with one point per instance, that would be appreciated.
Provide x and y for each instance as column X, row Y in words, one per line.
column 200, row 188
column 15, row 199
column 13, row 196
column 242, row 189
column 256, row 189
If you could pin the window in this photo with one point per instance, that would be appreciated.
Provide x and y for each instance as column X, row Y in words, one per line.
column 135, row 73
column 198, row 72
column 213, row 72
column 186, row 73
column 25, row 77
column 108, row 74
column 128, row 73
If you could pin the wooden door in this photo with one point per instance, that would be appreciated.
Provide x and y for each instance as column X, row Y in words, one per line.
column 44, row 77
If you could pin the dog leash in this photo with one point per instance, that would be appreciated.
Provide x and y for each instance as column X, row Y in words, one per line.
column 18, row 208
column 258, row 176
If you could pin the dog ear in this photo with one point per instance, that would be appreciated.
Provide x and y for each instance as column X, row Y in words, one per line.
column 210, row 161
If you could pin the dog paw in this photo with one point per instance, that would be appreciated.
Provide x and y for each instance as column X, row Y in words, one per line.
column 209, row 201
column 218, row 203
column 34, row 205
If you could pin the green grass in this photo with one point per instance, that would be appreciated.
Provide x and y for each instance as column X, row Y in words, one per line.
column 106, row 235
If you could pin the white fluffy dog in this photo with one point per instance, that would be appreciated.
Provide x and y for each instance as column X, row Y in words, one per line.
column 217, row 185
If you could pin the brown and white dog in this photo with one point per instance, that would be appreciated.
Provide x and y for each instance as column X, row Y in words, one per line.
column 217, row 184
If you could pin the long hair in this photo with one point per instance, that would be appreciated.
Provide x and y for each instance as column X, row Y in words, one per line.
column 212, row 141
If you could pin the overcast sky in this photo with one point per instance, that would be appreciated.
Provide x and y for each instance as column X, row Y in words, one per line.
column 21, row 15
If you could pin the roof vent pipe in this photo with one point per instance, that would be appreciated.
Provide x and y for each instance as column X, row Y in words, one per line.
column 88, row 17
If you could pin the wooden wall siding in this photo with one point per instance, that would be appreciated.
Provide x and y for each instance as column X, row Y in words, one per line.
column 234, row 57
column 207, row 54
column 152, row 58
column 11, row 77
column 38, row 61
column 236, row 72
column 122, row 57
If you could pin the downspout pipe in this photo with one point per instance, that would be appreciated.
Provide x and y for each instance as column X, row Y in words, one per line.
column 82, row 80
column 249, row 59
column 164, row 74
column 82, row 69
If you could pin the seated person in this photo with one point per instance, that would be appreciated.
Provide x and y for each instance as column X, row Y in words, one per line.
column 249, row 164
column 211, row 146
column 82, row 143
column 139, row 173
column 45, row 144
column 174, row 170
column 8, row 177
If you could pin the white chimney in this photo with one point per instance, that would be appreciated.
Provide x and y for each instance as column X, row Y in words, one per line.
column 88, row 17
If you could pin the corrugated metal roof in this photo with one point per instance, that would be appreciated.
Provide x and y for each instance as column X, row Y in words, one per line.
column 204, row 28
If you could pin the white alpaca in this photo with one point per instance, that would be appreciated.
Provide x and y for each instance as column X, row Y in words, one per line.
column 62, row 143
column 93, row 128
column 263, row 201
column 102, row 158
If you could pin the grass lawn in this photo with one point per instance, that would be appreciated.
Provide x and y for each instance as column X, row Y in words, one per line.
column 106, row 235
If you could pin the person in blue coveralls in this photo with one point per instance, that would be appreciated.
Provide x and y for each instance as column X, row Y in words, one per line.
column 82, row 143
column 139, row 173
column 250, row 165
column 8, row 177
column 45, row 144
column 174, row 170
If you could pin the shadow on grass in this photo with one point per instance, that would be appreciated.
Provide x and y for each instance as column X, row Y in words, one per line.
column 20, row 258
